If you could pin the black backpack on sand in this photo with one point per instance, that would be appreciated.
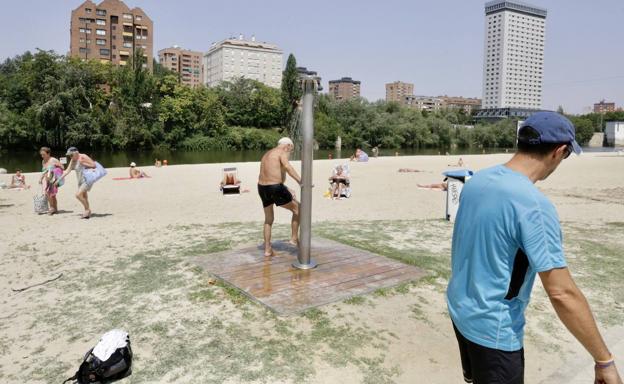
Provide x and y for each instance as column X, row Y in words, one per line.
column 114, row 346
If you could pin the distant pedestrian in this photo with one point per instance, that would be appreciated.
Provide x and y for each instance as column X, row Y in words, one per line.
column 506, row 232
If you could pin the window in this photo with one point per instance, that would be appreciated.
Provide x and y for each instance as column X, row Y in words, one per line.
column 87, row 31
column 105, row 52
column 88, row 10
column 100, row 12
column 127, row 45
column 100, row 42
column 101, row 22
column 139, row 18
column 100, row 32
column 127, row 16
column 85, row 50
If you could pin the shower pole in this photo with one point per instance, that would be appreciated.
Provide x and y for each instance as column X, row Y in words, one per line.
column 310, row 86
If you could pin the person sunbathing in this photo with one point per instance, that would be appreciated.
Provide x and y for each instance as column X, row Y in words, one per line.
column 338, row 181
column 409, row 170
column 136, row 173
column 359, row 156
column 459, row 163
column 435, row 186
column 18, row 181
column 230, row 179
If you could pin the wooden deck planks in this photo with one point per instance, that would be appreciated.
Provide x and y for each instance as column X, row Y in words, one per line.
column 342, row 272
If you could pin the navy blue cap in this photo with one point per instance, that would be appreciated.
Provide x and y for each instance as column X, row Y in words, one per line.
column 552, row 127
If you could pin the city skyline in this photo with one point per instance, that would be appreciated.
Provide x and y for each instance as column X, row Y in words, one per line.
column 438, row 47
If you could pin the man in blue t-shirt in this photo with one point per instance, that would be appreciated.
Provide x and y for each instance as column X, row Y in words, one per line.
column 506, row 232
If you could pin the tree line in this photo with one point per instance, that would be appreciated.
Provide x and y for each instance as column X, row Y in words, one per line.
column 54, row 100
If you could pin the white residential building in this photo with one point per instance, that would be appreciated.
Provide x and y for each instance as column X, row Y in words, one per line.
column 513, row 66
column 250, row 59
column 614, row 132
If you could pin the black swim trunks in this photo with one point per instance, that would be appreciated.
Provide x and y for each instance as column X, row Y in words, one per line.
column 482, row 365
column 276, row 194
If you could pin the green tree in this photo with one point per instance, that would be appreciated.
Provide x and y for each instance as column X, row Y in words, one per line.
column 291, row 90
column 584, row 129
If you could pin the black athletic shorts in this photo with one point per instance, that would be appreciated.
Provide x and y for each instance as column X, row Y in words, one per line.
column 276, row 194
column 482, row 365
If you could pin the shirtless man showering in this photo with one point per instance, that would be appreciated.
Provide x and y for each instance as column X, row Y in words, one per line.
column 273, row 168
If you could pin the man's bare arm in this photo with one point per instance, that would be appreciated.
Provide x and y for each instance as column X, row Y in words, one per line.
column 574, row 312
column 289, row 169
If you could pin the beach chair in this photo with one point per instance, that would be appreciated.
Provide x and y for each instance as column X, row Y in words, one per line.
column 346, row 190
column 230, row 189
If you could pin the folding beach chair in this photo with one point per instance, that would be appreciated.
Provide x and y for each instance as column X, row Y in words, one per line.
column 230, row 189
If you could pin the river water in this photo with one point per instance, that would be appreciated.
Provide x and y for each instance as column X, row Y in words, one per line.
column 29, row 161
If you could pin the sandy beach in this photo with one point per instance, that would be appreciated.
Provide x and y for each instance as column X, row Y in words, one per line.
column 128, row 267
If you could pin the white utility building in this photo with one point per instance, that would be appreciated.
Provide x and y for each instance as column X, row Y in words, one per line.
column 513, row 63
column 614, row 133
column 250, row 59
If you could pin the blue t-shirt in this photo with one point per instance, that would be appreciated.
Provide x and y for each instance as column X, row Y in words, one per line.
column 506, row 231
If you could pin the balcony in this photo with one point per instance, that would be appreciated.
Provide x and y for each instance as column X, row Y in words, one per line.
column 127, row 34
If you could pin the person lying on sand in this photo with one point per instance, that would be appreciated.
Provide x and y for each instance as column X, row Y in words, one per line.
column 273, row 169
column 408, row 170
column 436, row 186
column 136, row 173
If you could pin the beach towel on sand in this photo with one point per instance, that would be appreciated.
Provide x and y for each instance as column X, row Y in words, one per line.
column 130, row 178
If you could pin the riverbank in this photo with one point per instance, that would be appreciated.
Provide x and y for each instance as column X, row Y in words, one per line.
column 128, row 267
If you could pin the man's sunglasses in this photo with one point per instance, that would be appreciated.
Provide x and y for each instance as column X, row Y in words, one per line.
column 569, row 150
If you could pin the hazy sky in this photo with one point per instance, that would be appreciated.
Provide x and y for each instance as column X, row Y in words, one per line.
column 437, row 45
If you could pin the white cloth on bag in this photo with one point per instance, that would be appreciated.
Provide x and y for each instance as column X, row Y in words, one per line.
column 109, row 343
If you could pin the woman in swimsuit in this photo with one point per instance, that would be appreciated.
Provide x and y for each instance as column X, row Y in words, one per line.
column 51, row 172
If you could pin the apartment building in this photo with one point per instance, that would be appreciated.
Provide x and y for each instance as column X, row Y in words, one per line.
column 604, row 106
column 110, row 32
column 344, row 89
column 250, row 59
column 398, row 91
column 185, row 62
column 513, row 64
column 424, row 103
column 468, row 104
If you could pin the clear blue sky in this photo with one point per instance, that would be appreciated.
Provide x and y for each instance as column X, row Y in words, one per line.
column 437, row 45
